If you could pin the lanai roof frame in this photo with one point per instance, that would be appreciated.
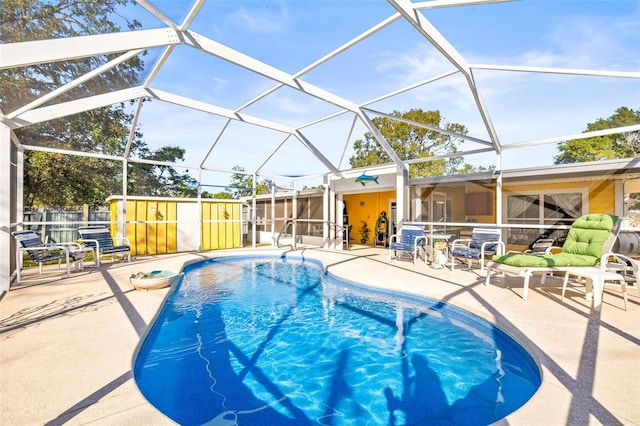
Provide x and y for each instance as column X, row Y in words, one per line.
column 174, row 34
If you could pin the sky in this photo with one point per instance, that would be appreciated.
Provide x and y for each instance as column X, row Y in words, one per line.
column 291, row 35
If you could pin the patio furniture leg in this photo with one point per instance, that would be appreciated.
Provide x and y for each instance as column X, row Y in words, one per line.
column 525, row 290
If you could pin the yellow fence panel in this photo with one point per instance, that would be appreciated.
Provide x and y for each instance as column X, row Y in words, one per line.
column 153, row 225
column 221, row 226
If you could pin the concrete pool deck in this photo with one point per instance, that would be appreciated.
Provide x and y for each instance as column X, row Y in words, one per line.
column 67, row 345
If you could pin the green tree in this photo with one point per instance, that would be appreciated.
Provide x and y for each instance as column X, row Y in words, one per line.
column 157, row 180
column 608, row 147
column 222, row 195
column 241, row 184
column 28, row 20
column 63, row 180
column 411, row 142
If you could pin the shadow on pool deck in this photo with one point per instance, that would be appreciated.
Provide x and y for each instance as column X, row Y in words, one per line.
column 67, row 345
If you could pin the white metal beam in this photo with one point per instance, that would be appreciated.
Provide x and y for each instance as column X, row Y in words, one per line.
column 411, row 87
column 157, row 13
column 108, row 157
column 214, row 48
column 75, row 83
column 438, row 4
column 347, row 139
column 434, row 128
column 556, row 139
column 445, row 156
column 428, row 31
column 72, row 153
column 548, row 70
column 315, row 151
column 62, row 49
column 6, row 184
column 132, row 131
column 437, row 40
column 212, row 109
column 325, row 118
column 195, row 9
column 328, row 56
column 272, row 154
column 158, row 65
column 215, row 142
column 197, row 5
column 51, row 112
column 381, row 139
column 388, row 95
column 229, row 171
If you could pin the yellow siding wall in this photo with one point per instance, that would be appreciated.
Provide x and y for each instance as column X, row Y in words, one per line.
column 374, row 203
column 602, row 197
column 113, row 210
column 217, row 231
column 601, row 194
column 152, row 225
column 150, row 229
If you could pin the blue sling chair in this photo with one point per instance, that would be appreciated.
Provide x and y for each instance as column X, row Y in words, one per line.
column 40, row 252
column 99, row 239
column 484, row 242
column 408, row 243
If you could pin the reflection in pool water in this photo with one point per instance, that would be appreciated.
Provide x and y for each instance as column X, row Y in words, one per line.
column 276, row 341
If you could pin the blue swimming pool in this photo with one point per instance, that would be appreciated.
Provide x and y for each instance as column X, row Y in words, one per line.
column 277, row 341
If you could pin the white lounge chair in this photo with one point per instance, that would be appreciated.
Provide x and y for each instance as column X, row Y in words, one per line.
column 590, row 237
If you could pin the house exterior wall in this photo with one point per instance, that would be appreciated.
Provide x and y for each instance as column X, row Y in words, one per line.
column 601, row 193
column 455, row 198
column 602, row 197
column 366, row 208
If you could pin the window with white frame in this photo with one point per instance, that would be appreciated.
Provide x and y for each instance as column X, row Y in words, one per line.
column 631, row 191
column 551, row 208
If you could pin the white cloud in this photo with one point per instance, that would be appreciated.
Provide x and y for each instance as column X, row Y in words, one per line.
column 266, row 20
column 422, row 63
column 596, row 42
column 416, row 64
column 290, row 105
column 219, row 84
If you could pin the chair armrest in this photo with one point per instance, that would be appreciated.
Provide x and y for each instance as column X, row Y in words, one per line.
column 417, row 239
column 619, row 259
column 63, row 250
column 500, row 245
column 464, row 242
column 47, row 246
column 393, row 238
column 96, row 242
column 121, row 241
column 72, row 245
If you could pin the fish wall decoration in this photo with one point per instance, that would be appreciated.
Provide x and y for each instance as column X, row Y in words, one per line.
column 366, row 178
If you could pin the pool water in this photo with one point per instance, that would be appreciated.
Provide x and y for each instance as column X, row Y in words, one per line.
column 277, row 341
